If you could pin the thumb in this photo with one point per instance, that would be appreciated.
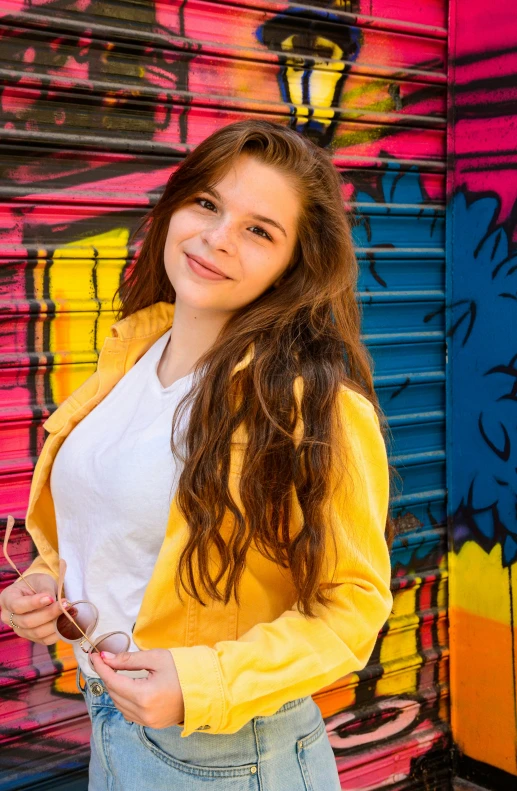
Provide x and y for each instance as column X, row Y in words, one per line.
column 132, row 660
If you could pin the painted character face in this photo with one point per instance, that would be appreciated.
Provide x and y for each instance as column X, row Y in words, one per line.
column 230, row 243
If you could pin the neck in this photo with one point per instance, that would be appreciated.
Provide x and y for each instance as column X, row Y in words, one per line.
column 193, row 332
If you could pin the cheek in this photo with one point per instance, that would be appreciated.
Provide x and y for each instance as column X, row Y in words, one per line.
column 183, row 226
column 261, row 270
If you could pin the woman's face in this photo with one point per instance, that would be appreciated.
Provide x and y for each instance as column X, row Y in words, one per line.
column 245, row 228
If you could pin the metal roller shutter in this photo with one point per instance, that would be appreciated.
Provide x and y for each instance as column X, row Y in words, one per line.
column 99, row 101
column 482, row 391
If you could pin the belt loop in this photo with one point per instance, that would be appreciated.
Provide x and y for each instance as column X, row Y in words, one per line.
column 78, row 679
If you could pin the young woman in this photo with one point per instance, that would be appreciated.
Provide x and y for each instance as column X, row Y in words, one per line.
column 219, row 487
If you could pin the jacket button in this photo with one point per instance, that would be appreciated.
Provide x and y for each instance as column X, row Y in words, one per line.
column 253, row 770
column 96, row 689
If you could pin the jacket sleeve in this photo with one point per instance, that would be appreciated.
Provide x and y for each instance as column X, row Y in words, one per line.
column 293, row 656
column 39, row 566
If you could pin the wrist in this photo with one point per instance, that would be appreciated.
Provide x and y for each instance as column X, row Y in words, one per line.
column 180, row 704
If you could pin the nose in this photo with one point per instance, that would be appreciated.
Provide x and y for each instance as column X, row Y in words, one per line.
column 221, row 236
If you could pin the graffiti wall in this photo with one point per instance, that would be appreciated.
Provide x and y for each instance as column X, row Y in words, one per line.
column 482, row 255
column 99, row 102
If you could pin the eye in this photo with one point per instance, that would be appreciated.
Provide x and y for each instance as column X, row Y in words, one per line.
column 205, row 204
column 261, row 232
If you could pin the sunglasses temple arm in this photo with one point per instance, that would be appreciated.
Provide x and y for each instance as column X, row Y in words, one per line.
column 8, row 530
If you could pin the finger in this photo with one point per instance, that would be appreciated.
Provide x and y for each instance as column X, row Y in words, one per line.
column 41, row 632
column 15, row 608
column 130, row 712
column 47, row 637
column 123, row 686
column 133, row 660
column 44, row 615
column 51, row 639
column 20, row 603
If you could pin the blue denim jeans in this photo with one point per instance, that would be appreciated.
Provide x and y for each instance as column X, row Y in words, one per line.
column 287, row 751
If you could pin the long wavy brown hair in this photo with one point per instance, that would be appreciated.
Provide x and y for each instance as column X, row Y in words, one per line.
column 307, row 326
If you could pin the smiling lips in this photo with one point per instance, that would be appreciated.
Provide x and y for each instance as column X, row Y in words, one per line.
column 204, row 268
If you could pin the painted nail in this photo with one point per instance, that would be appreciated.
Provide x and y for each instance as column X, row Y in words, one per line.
column 46, row 600
column 107, row 655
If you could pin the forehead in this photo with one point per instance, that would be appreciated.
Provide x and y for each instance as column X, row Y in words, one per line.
column 259, row 188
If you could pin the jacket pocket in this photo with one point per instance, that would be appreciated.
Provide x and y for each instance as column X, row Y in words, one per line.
column 317, row 761
column 58, row 418
column 55, row 422
column 161, row 743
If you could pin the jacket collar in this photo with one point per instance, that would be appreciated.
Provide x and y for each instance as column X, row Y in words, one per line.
column 156, row 319
column 153, row 319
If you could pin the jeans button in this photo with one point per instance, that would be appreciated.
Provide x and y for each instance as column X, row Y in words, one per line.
column 96, row 689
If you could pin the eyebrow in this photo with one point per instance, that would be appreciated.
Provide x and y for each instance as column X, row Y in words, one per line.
column 259, row 217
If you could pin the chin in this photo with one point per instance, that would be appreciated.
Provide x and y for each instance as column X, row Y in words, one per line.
column 196, row 298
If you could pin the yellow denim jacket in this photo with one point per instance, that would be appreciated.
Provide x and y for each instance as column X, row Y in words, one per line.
column 238, row 662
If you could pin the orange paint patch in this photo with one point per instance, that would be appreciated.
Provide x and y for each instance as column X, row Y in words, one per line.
column 334, row 699
column 64, row 681
column 482, row 689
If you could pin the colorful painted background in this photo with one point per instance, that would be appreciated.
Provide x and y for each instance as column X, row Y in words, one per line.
column 482, row 393
column 99, row 102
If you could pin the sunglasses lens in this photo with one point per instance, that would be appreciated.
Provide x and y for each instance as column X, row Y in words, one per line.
column 115, row 643
column 83, row 614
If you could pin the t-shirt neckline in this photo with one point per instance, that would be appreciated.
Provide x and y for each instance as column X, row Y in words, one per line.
column 156, row 379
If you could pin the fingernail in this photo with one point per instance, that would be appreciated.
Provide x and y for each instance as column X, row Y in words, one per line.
column 46, row 600
column 107, row 655
column 65, row 603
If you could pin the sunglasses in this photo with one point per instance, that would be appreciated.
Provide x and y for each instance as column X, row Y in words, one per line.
column 77, row 623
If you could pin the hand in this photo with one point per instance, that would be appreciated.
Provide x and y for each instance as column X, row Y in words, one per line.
column 155, row 701
column 34, row 614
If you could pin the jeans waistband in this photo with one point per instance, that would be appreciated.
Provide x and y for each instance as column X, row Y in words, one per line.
column 95, row 687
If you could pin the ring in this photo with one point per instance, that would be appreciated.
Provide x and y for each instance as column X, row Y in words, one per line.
column 12, row 623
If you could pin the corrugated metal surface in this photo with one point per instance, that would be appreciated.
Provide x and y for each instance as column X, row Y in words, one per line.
column 482, row 436
column 100, row 100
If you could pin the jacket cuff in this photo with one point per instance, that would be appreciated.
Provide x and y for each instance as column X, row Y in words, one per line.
column 202, row 688
column 39, row 566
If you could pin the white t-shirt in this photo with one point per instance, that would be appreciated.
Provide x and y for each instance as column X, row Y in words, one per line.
column 112, row 483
